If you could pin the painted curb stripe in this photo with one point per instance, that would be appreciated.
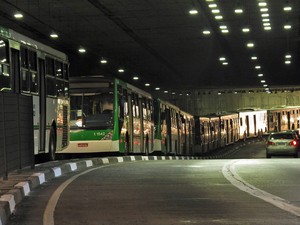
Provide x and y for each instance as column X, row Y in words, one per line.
column 24, row 186
column 57, row 171
column 41, row 177
column 73, row 166
column 89, row 163
column 11, row 201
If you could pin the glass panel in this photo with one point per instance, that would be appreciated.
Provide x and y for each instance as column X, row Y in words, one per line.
column 66, row 71
column 58, row 69
column 49, row 66
column 4, row 78
column 3, row 51
column 32, row 60
column 51, row 86
column 60, row 89
column 24, row 58
column 25, row 87
column 34, row 83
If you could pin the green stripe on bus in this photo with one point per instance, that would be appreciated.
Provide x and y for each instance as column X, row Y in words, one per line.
column 89, row 135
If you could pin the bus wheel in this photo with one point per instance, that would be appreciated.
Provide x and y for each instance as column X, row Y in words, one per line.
column 52, row 145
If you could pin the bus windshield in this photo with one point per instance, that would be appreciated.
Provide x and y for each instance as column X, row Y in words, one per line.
column 92, row 111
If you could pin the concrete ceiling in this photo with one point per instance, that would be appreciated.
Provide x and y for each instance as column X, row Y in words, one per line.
column 163, row 44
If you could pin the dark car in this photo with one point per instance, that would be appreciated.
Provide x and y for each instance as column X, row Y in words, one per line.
column 283, row 143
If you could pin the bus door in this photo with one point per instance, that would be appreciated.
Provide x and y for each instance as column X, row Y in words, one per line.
column 42, row 105
column 129, row 132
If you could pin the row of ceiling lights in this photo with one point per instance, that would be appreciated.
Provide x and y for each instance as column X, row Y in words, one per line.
column 263, row 8
column 224, row 29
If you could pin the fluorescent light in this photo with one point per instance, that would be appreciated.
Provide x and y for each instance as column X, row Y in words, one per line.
column 147, row 84
column 206, row 32
column 238, row 11
column 254, row 57
column 54, row 35
column 287, row 8
column 246, row 29
column 103, row 61
column 266, row 20
column 263, row 81
column 225, row 31
column 218, row 17
column 193, row 11
column 135, row 78
column 212, row 5
column 260, row 75
column 287, row 26
column 225, row 63
column 18, row 15
column 287, row 62
column 266, row 24
column 265, row 15
column 264, row 9
column 222, row 58
column 157, row 88
column 81, row 50
column 250, row 45
column 215, row 11
column 257, row 67
column 121, row 70
column 288, row 56
column 268, row 28
column 262, row 4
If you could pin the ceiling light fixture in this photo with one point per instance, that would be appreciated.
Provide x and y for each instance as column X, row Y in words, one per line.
column 287, row 26
column 206, row 32
column 238, row 11
column 54, row 35
column 287, row 8
column 254, row 57
column 82, row 50
column 193, row 11
column 262, row 4
column 121, row 70
column 212, row 5
column 218, row 17
column 135, row 78
column 147, row 84
column 250, row 45
column 157, row 88
column 18, row 15
column 103, row 61
column 246, row 30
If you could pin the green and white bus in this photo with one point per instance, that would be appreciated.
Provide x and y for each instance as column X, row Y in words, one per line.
column 31, row 68
column 109, row 116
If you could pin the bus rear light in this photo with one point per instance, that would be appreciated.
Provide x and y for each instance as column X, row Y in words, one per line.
column 294, row 143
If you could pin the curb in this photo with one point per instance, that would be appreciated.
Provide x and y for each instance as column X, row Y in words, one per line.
column 13, row 197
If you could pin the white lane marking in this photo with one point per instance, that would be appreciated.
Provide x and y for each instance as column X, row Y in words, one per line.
column 48, row 217
column 231, row 175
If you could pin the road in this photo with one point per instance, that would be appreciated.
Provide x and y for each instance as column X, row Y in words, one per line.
column 244, row 189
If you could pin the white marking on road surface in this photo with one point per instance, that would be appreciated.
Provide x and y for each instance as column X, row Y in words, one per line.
column 231, row 175
column 48, row 218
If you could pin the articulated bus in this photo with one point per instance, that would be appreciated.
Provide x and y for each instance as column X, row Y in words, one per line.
column 111, row 116
column 30, row 68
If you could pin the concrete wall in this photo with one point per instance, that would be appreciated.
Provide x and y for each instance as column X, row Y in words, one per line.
column 204, row 102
